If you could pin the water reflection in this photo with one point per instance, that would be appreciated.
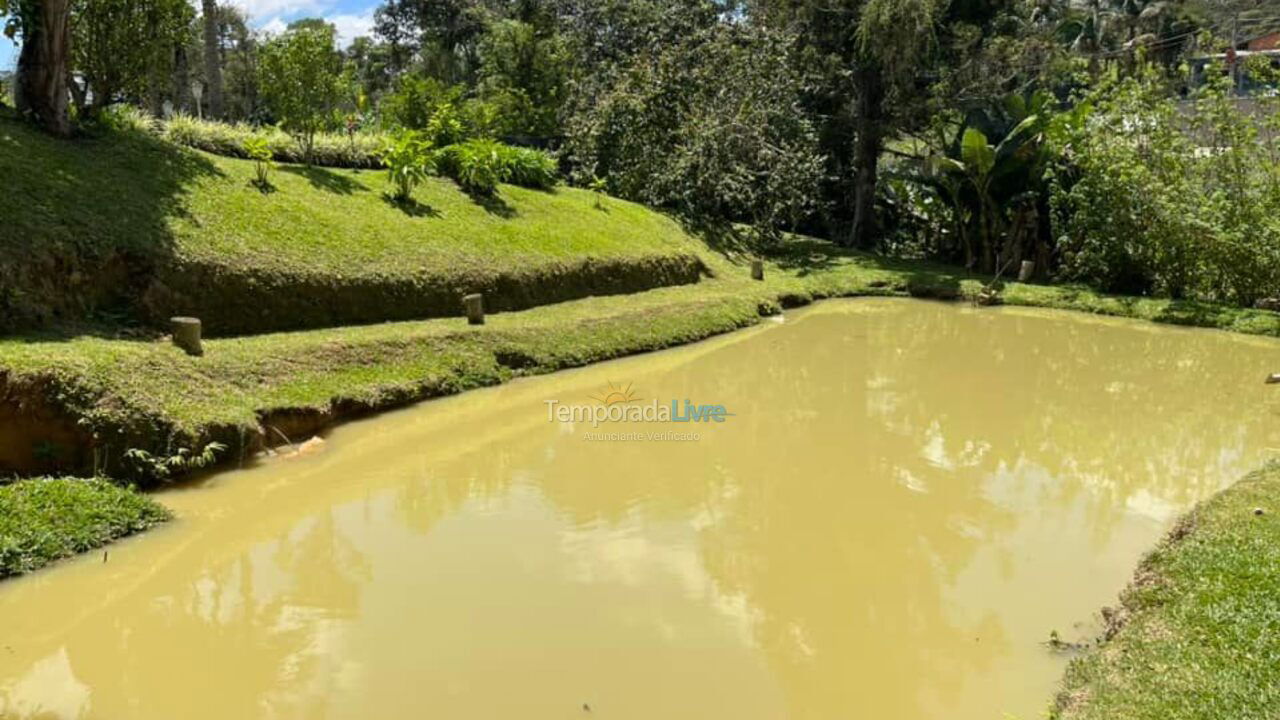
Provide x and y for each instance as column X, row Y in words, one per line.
column 908, row 499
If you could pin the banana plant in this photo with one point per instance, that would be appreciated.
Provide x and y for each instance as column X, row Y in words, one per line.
column 994, row 188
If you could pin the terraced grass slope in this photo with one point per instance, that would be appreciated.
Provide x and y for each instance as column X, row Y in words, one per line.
column 125, row 224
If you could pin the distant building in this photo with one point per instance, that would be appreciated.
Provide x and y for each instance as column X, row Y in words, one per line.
column 1268, row 41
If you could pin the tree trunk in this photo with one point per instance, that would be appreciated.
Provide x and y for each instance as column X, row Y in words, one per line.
column 41, row 89
column 181, row 81
column 212, row 59
column 868, row 144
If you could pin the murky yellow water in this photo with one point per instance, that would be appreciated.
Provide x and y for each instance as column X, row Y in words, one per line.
column 906, row 500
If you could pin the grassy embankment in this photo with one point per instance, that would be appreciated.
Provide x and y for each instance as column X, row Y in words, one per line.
column 42, row 520
column 1197, row 633
column 130, row 226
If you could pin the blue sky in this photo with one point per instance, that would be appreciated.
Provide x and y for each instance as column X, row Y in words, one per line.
column 351, row 17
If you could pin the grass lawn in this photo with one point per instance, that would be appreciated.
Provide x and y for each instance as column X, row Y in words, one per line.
column 42, row 520
column 1197, row 635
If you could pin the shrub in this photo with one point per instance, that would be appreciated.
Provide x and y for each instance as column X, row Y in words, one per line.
column 127, row 118
column 1150, row 199
column 479, row 165
column 260, row 151
column 526, row 167
column 359, row 150
column 409, row 159
column 475, row 165
column 708, row 126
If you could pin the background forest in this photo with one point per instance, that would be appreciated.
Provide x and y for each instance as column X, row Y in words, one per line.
column 1127, row 144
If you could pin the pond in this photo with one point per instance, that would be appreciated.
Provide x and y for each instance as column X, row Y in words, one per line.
column 885, row 510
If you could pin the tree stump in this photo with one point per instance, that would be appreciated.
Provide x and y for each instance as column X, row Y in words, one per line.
column 186, row 334
column 475, row 308
column 757, row 270
column 1026, row 271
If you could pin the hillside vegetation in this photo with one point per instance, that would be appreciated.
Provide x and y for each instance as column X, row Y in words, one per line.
column 127, row 225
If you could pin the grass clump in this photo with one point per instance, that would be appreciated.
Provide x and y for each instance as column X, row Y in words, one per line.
column 1197, row 635
column 46, row 519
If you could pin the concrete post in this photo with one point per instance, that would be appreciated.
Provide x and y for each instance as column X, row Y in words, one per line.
column 186, row 334
column 1027, row 270
column 757, row 270
column 475, row 308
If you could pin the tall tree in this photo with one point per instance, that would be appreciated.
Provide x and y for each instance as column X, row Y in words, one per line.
column 124, row 46
column 41, row 87
column 212, row 57
column 864, row 57
column 301, row 79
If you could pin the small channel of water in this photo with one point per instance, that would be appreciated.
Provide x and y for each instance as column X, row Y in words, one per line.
column 907, row 499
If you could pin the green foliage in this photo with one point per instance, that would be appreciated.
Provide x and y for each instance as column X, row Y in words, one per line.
column 416, row 99
column 302, row 81
column 328, row 149
column 151, row 467
column 709, row 127
column 43, row 520
column 992, row 190
column 476, row 165
column 259, row 150
column 525, row 75
column 409, row 159
column 1150, row 199
column 527, row 167
column 446, row 126
column 479, row 165
column 600, row 188
column 127, row 118
column 124, row 47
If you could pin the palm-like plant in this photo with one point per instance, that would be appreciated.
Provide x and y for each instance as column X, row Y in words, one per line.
column 995, row 188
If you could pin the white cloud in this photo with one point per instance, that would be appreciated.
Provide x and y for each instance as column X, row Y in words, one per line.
column 351, row 27
column 277, row 9
column 274, row 26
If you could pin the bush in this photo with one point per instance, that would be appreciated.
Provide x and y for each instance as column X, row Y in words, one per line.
column 360, row 150
column 527, row 168
column 475, row 165
column 479, row 165
column 1151, row 199
column 260, row 151
column 409, row 159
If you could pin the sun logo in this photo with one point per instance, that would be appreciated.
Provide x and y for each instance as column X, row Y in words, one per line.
column 616, row 395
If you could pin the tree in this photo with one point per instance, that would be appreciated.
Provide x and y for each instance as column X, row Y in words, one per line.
column 872, row 52
column 710, row 127
column 302, row 80
column 40, row 91
column 212, row 57
column 124, row 46
column 525, row 72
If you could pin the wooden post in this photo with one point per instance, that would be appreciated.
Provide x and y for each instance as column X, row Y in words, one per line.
column 757, row 269
column 475, row 308
column 1027, row 270
column 186, row 334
